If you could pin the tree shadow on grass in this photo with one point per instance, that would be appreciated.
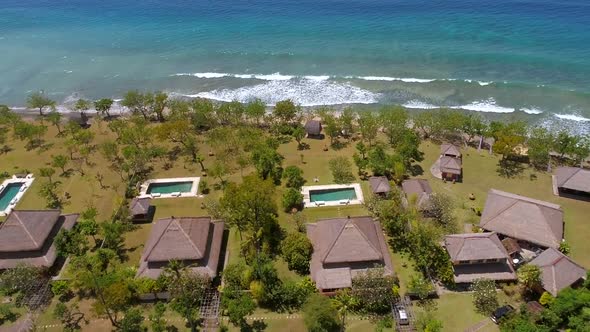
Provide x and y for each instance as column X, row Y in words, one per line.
column 509, row 168
column 256, row 326
column 416, row 170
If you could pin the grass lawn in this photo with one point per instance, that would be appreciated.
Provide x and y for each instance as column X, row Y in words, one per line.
column 480, row 174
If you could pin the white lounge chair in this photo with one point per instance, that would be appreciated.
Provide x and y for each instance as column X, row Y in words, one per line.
column 1, row 187
column 156, row 195
column 175, row 194
column 320, row 203
column 23, row 188
column 14, row 201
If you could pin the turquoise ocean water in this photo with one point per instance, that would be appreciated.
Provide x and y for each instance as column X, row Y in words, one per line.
column 502, row 56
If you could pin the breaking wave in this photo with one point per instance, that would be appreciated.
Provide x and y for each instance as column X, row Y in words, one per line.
column 305, row 92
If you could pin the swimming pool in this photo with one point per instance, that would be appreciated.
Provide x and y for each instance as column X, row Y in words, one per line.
column 330, row 195
column 170, row 187
column 9, row 193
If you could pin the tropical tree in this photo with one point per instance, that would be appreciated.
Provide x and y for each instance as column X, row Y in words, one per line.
column 368, row 126
column 55, row 119
column 285, row 111
column 103, row 106
column 341, row 169
column 344, row 303
column 137, row 103
column 298, row 134
column 38, row 100
column 60, row 161
column 249, row 208
column 320, row 316
column 529, row 276
column 293, row 176
column 292, row 199
column 187, row 290
column 395, row 122
column 82, row 105
column 267, row 161
column 485, row 298
column 255, row 110
column 539, row 146
column 296, row 249
column 180, row 131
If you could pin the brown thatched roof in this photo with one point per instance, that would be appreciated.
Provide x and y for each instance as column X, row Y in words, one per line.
column 450, row 165
column 467, row 273
column 511, row 245
column 26, row 230
column 342, row 247
column 379, row 184
column 192, row 240
column 140, row 206
column 475, row 246
column 26, row 237
column 557, row 270
column 313, row 127
column 420, row 188
column 523, row 218
column 573, row 178
column 450, row 150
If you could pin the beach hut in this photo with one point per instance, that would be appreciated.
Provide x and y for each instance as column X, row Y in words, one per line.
column 313, row 128
column 451, row 168
column 140, row 210
column 450, row 150
column 379, row 185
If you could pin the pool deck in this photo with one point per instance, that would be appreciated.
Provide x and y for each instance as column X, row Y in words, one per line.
column 193, row 193
column 27, row 181
column 307, row 199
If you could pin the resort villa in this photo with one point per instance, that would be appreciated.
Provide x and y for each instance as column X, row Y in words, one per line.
column 572, row 181
column 379, row 185
column 418, row 189
column 533, row 223
column 478, row 255
column 344, row 248
column 194, row 241
column 26, row 237
column 558, row 271
column 450, row 163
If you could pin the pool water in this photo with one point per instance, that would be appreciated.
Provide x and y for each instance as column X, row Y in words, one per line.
column 170, row 187
column 327, row 195
column 8, row 194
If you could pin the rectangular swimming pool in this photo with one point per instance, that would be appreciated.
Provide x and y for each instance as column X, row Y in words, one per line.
column 170, row 187
column 9, row 193
column 328, row 195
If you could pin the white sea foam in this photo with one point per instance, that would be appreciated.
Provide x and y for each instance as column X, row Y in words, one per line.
column 572, row 117
column 419, row 104
column 273, row 77
column 488, row 106
column 204, row 75
column 391, row 79
column 531, row 110
column 303, row 92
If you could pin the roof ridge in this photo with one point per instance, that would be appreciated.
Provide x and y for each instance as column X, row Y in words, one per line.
column 190, row 241
column 527, row 199
column 334, row 241
column 574, row 173
column 159, row 238
column 367, row 239
column 501, row 211
column 26, row 230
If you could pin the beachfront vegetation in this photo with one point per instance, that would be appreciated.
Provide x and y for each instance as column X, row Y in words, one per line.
column 255, row 161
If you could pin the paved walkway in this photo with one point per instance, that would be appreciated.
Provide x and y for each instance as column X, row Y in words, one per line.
column 480, row 325
column 435, row 169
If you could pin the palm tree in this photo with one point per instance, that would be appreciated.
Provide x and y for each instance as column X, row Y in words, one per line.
column 344, row 302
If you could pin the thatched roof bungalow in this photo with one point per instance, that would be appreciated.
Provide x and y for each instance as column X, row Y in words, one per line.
column 345, row 247
column 26, row 237
column 194, row 241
